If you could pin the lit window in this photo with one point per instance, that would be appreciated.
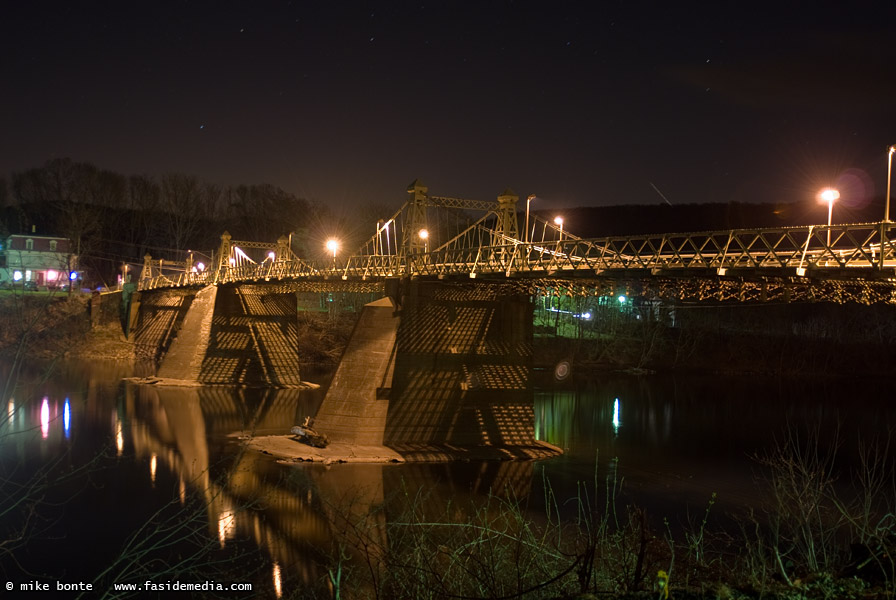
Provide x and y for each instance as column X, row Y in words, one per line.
column 52, row 245
column 29, row 244
column 17, row 276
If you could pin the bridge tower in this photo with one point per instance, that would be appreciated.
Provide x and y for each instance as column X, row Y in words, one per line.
column 506, row 212
column 283, row 252
column 146, row 273
column 415, row 219
column 223, row 262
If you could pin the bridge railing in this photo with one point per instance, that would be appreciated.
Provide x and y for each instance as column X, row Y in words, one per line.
column 157, row 273
column 802, row 249
column 263, row 271
column 177, row 279
column 827, row 251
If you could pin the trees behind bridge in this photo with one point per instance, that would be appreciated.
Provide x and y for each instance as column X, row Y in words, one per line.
column 114, row 219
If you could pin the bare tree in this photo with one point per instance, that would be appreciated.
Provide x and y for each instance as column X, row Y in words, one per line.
column 188, row 204
column 143, row 199
column 263, row 212
column 59, row 194
column 105, row 188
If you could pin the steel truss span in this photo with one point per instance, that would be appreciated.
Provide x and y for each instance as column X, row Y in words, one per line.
column 458, row 239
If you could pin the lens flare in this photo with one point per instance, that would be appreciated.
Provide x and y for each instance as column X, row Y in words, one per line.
column 856, row 188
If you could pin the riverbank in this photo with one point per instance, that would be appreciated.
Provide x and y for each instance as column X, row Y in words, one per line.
column 50, row 326
column 823, row 339
column 818, row 339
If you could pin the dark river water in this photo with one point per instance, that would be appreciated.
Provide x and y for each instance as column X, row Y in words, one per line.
column 104, row 481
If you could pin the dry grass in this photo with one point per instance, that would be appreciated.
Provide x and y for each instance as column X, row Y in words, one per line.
column 807, row 543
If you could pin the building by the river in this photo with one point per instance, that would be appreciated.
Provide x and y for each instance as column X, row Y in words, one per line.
column 32, row 260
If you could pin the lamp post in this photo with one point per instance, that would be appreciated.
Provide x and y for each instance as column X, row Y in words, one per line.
column 829, row 195
column 424, row 235
column 528, row 200
column 333, row 246
column 890, row 152
column 559, row 222
column 884, row 226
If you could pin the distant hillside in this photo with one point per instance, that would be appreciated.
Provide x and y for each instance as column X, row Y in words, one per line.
column 600, row 221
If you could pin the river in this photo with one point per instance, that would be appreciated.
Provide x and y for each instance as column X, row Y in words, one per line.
column 105, row 481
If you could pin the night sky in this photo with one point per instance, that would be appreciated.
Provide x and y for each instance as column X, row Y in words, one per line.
column 582, row 103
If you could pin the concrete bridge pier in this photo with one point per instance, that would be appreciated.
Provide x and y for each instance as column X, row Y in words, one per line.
column 234, row 334
column 443, row 373
column 253, row 338
column 356, row 405
column 184, row 360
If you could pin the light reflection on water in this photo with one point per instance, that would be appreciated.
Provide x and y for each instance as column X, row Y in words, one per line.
column 674, row 442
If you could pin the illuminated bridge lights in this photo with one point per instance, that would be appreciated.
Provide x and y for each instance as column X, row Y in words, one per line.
column 675, row 266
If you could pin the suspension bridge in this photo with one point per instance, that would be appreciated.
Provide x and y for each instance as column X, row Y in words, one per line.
column 461, row 239
column 441, row 362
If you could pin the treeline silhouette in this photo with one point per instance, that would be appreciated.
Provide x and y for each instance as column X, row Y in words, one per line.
column 113, row 218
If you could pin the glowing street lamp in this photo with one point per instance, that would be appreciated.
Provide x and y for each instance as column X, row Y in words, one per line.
column 333, row 246
column 890, row 152
column 829, row 195
column 424, row 235
column 559, row 222
column 528, row 200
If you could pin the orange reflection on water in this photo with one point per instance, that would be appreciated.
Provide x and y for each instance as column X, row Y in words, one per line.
column 119, row 437
column 278, row 582
column 226, row 525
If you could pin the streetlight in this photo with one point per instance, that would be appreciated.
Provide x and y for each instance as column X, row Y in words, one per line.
column 424, row 235
column 890, row 152
column 528, row 200
column 559, row 222
column 333, row 246
column 829, row 195
column 883, row 226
